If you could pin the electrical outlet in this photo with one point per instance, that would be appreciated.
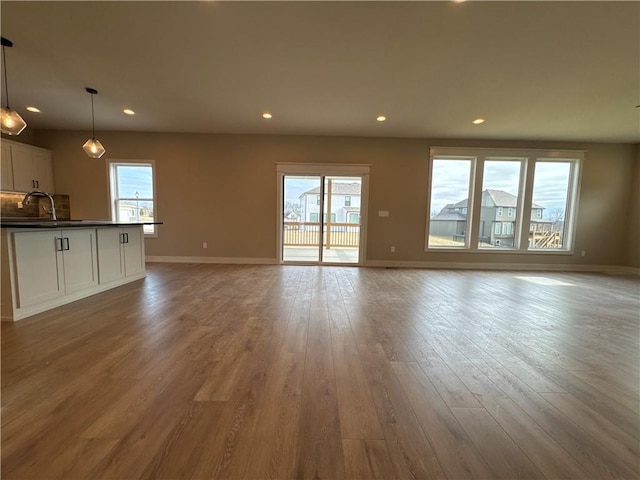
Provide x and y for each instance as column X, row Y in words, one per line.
column 393, row 249
column 204, row 245
column 583, row 253
column 20, row 205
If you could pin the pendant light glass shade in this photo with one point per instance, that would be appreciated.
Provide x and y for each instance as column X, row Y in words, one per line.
column 11, row 122
column 93, row 147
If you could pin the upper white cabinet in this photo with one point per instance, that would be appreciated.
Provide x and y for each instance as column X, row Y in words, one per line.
column 25, row 167
column 6, row 173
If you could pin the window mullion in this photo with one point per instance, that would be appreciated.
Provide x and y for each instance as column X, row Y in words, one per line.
column 527, row 195
column 474, row 205
column 571, row 207
column 521, row 225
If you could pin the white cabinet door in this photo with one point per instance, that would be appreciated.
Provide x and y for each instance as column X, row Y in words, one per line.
column 110, row 262
column 24, row 175
column 38, row 267
column 32, row 168
column 133, row 250
column 42, row 161
column 79, row 259
column 6, row 174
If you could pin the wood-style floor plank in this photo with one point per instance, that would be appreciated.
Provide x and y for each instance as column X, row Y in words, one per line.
column 358, row 417
column 253, row 372
column 319, row 454
column 411, row 453
column 507, row 460
column 458, row 456
column 367, row 459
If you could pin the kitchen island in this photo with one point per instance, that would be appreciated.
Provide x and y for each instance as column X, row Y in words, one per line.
column 48, row 263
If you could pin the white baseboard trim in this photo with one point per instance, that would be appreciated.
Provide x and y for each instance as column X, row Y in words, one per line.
column 611, row 269
column 619, row 269
column 220, row 260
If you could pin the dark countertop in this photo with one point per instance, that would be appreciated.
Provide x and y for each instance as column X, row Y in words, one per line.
column 24, row 222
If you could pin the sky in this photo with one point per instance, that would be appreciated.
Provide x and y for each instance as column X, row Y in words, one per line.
column 451, row 182
column 296, row 186
column 132, row 179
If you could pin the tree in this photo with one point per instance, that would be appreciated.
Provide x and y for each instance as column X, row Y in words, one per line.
column 556, row 214
column 292, row 208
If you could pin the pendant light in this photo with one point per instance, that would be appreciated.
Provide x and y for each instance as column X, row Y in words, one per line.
column 12, row 122
column 93, row 147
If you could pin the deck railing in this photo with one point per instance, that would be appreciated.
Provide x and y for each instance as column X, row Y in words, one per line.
column 546, row 239
column 307, row 234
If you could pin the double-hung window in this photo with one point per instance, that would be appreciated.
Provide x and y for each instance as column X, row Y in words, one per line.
column 132, row 188
column 499, row 199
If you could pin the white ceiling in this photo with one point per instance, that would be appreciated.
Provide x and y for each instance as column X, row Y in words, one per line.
column 534, row 70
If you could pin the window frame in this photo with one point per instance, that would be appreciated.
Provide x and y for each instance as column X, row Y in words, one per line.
column 529, row 158
column 112, row 165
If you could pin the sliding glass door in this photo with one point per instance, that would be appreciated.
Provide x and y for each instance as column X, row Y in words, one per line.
column 301, row 219
column 321, row 218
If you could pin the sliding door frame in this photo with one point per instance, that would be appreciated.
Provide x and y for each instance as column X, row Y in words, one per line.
column 323, row 170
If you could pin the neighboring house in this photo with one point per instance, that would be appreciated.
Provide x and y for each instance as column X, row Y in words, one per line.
column 345, row 203
column 127, row 213
column 497, row 219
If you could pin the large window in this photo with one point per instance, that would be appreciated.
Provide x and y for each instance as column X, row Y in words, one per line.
column 449, row 202
column 500, row 198
column 132, row 193
column 506, row 200
column 551, row 187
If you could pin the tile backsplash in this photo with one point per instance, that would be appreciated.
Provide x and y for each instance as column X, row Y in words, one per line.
column 9, row 206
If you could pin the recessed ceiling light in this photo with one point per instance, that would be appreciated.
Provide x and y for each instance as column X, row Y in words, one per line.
column 33, row 109
column 267, row 115
column 381, row 118
column 478, row 121
column 128, row 111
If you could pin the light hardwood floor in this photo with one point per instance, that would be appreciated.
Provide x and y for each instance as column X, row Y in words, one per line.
column 204, row 371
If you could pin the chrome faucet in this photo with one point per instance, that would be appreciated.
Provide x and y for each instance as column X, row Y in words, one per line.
column 40, row 193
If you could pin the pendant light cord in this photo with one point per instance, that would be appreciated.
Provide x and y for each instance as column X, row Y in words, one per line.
column 6, row 84
column 93, row 120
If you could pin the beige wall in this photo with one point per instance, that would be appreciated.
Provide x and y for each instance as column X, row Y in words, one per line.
column 222, row 189
column 633, row 232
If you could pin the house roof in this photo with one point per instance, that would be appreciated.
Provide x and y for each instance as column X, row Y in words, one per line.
column 330, row 68
column 338, row 188
column 449, row 216
column 500, row 198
